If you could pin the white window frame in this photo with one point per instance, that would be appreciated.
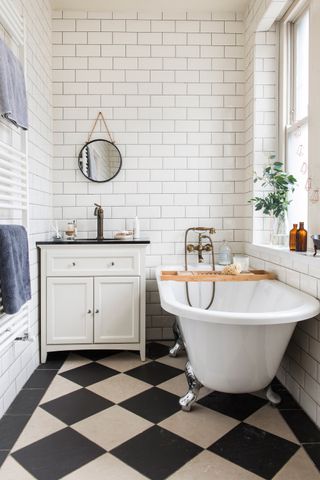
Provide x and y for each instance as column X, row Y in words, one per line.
column 287, row 121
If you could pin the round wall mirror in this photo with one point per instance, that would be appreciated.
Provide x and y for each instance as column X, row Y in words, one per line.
column 100, row 160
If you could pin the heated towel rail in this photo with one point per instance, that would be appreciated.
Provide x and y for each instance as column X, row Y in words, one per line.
column 13, row 170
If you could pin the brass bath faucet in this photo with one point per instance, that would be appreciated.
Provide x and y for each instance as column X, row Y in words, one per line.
column 200, row 247
column 98, row 212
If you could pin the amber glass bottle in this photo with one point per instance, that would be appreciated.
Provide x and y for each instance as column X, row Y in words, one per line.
column 293, row 237
column 302, row 236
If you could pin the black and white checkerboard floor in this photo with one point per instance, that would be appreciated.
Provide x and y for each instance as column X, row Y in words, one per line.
column 105, row 415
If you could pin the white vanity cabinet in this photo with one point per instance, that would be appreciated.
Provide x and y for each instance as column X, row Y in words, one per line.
column 92, row 296
column 69, row 311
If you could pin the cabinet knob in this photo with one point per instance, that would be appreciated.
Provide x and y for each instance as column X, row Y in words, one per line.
column 112, row 264
column 74, row 264
column 89, row 311
column 97, row 311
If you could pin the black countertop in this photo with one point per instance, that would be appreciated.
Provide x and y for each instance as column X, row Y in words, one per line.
column 93, row 241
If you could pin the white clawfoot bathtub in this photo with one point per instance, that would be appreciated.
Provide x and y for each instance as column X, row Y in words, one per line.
column 237, row 345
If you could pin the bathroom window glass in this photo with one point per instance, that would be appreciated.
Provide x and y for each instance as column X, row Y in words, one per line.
column 296, row 128
column 301, row 66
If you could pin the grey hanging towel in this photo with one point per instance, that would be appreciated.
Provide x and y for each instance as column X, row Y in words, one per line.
column 14, row 267
column 13, row 96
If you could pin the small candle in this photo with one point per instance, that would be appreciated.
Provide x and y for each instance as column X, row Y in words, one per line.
column 241, row 260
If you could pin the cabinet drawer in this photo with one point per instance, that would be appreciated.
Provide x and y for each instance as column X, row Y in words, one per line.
column 75, row 262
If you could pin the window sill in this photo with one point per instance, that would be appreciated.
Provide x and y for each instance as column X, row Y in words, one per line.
column 286, row 250
column 303, row 262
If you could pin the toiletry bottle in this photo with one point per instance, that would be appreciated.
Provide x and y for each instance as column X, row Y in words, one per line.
column 136, row 228
column 302, row 237
column 225, row 254
column 293, row 237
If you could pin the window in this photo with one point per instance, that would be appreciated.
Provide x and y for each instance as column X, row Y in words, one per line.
column 295, row 106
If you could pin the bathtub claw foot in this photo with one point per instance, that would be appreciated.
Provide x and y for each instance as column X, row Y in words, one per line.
column 191, row 396
column 178, row 346
column 273, row 397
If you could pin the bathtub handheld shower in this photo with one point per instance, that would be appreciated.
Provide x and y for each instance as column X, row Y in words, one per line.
column 203, row 233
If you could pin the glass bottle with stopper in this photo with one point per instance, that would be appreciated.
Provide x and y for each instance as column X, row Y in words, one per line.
column 225, row 254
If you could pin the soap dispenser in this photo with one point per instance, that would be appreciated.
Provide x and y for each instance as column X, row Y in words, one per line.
column 136, row 228
column 225, row 254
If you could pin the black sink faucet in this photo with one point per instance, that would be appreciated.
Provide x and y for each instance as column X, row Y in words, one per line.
column 98, row 212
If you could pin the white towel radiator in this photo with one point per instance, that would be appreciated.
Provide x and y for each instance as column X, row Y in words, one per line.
column 13, row 171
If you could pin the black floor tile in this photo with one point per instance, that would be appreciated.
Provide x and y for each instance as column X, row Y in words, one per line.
column 54, row 361
column 156, row 350
column 154, row 404
column 89, row 374
column 156, row 453
column 255, row 450
column 239, row 406
column 302, row 426
column 10, row 428
column 25, row 402
column 57, row 455
column 313, row 450
column 40, row 379
column 95, row 355
column 154, row 373
column 76, row 406
column 3, row 456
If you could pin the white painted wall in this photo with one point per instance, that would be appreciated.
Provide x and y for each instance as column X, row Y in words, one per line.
column 314, row 109
column 19, row 361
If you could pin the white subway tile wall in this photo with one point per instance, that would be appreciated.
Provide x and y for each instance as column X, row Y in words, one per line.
column 20, row 360
column 260, row 113
column 266, row 117
column 172, row 91
column 300, row 369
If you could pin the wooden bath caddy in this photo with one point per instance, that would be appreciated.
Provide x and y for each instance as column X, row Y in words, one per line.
column 215, row 276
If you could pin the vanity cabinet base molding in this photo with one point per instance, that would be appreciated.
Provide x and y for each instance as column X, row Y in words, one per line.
column 92, row 297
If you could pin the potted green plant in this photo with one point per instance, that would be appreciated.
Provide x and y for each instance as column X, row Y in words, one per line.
column 276, row 201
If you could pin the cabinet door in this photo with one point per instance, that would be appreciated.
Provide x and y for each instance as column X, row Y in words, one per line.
column 69, row 310
column 116, row 303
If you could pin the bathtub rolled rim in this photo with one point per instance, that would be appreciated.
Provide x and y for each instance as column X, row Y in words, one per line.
column 309, row 309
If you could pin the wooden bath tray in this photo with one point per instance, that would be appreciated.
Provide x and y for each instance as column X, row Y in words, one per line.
column 214, row 276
